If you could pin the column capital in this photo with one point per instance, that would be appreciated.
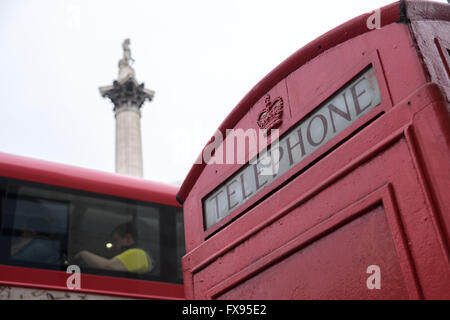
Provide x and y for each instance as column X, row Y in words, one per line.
column 127, row 92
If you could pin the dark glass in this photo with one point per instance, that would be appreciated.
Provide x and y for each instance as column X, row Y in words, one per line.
column 44, row 226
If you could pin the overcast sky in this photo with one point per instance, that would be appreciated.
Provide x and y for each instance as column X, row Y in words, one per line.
column 200, row 57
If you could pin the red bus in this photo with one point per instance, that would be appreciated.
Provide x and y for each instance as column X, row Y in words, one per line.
column 49, row 212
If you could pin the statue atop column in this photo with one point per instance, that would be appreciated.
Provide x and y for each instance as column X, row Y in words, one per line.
column 125, row 68
column 126, row 53
column 126, row 91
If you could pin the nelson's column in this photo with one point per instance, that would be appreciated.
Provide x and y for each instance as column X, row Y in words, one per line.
column 128, row 96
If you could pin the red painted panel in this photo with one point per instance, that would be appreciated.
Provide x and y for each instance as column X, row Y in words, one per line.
column 313, row 270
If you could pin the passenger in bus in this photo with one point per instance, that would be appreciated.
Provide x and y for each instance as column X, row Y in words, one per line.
column 34, row 246
column 131, row 258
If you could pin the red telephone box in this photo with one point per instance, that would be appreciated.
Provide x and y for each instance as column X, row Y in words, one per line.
column 358, row 205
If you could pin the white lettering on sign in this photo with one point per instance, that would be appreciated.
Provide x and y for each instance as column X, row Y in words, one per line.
column 324, row 123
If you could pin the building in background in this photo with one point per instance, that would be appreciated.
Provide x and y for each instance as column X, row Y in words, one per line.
column 128, row 96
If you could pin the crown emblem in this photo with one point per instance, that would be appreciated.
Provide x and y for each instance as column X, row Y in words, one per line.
column 271, row 116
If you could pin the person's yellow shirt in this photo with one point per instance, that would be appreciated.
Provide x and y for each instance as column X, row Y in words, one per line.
column 135, row 260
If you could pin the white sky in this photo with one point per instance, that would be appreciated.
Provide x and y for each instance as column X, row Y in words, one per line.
column 200, row 57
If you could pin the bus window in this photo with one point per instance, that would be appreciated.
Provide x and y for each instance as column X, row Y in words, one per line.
column 38, row 230
column 33, row 229
column 50, row 227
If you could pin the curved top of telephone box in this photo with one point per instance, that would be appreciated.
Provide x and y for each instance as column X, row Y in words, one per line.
column 398, row 12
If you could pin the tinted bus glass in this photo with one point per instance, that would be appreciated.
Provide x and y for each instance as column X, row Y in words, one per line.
column 44, row 226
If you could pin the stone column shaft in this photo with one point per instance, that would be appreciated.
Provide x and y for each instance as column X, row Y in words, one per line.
column 129, row 142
